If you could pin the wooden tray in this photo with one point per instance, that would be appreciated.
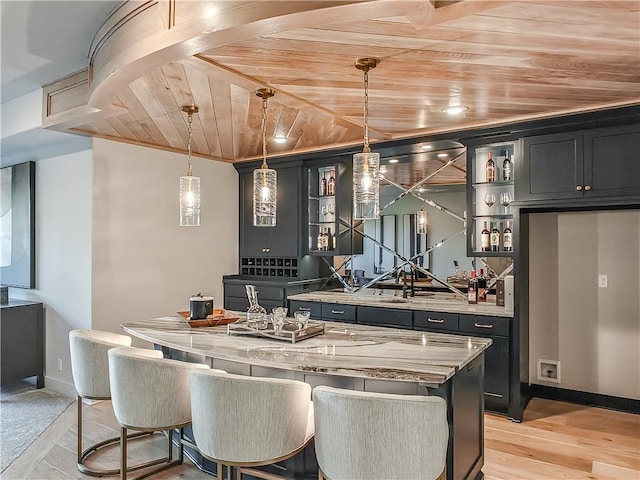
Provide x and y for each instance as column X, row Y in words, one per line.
column 218, row 317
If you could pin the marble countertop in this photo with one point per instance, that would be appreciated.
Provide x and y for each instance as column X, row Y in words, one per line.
column 436, row 302
column 344, row 349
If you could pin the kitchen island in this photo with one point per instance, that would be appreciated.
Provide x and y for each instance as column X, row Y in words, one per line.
column 357, row 357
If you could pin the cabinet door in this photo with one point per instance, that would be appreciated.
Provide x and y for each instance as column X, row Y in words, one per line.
column 283, row 239
column 612, row 161
column 552, row 167
column 314, row 307
column 496, row 374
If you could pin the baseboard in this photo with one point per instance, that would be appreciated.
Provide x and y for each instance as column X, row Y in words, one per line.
column 59, row 386
column 585, row 398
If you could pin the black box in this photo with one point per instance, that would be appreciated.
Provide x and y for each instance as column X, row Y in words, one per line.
column 500, row 292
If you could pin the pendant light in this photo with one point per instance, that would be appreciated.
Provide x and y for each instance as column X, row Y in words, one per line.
column 366, row 165
column 421, row 222
column 189, row 185
column 264, row 178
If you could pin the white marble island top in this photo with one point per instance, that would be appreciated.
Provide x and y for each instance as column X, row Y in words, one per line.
column 436, row 302
column 344, row 349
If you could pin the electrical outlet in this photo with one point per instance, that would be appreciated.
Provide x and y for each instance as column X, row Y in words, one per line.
column 59, row 364
column 549, row 370
column 603, row 281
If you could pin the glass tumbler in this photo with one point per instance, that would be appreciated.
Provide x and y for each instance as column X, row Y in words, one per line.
column 302, row 319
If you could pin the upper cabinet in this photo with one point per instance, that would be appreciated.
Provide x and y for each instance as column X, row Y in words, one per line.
column 581, row 165
column 330, row 229
column 490, row 181
column 283, row 239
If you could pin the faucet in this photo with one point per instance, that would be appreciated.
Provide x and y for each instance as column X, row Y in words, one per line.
column 411, row 290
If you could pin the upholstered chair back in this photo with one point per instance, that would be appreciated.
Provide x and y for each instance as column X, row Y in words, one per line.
column 363, row 435
column 240, row 419
column 89, row 361
column 148, row 391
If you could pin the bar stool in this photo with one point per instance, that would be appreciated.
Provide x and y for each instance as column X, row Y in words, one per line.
column 90, row 370
column 150, row 393
column 379, row 436
column 241, row 421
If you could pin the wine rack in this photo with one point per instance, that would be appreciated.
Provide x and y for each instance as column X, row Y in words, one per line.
column 491, row 196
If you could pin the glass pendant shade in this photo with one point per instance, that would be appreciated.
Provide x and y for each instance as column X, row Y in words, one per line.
column 366, row 190
column 265, row 193
column 421, row 222
column 189, row 201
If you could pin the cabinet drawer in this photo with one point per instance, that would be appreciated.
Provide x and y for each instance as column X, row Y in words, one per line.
column 436, row 321
column 385, row 317
column 338, row 312
column 485, row 325
column 314, row 307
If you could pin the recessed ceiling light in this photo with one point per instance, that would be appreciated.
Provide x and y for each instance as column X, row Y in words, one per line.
column 394, row 160
column 443, row 155
column 280, row 139
column 426, row 147
column 455, row 110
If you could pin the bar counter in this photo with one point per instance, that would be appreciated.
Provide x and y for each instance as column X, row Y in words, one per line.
column 352, row 356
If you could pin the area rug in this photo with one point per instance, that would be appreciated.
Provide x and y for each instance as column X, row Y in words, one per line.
column 25, row 412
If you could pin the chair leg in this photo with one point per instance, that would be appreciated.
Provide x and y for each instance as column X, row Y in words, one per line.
column 166, row 462
column 83, row 455
column 123, row 453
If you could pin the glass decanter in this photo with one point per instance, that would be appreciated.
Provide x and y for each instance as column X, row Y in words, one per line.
column 256, row 315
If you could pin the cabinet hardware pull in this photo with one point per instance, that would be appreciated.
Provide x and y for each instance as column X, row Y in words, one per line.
column 579, row 187
column 267, row 250
column 304, row 309
column 483, row 325
column 435, row 320
column 587, row 187
column 489, row 394
column 338, row 312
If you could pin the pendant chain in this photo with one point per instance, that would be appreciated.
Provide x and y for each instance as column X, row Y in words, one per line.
column 264, row 133
column 366, row 110
column 190, row 130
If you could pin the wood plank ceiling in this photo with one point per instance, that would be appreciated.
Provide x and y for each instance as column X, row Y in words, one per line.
column 504, row 60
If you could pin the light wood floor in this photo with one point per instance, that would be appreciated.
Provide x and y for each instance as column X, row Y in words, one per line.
column 555, row 441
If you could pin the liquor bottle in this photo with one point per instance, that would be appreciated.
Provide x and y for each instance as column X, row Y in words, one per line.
column 482, row 286
column 485, row 239
column 323, row 184
column 331, row 185
column 329, row 240
column 472, row 290
column 319, row 241
column 507, row 239
column 506, row 168
column 325, row 241
column 333, row 241
column 491, row 169
column 494, row 238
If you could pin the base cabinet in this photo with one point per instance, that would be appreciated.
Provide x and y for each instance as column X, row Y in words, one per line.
column 22, row 337
column 271, row 293
column 498, row 329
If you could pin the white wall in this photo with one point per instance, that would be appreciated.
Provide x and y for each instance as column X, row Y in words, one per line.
column 594, row 332
column 144, row 264
column 63, row 257
column 109, row 248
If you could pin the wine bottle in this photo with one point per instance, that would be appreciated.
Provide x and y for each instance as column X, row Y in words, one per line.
column 319, row 241
column 323, row 184
column 331, row 185
column 329, row 240
column 507, row 239
column 484, row 239
column 494, row 238
column 491, row 169
column 472, row 289
column 482, row 286
column 325, row 241
column 506, row 168
column 333, row 241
